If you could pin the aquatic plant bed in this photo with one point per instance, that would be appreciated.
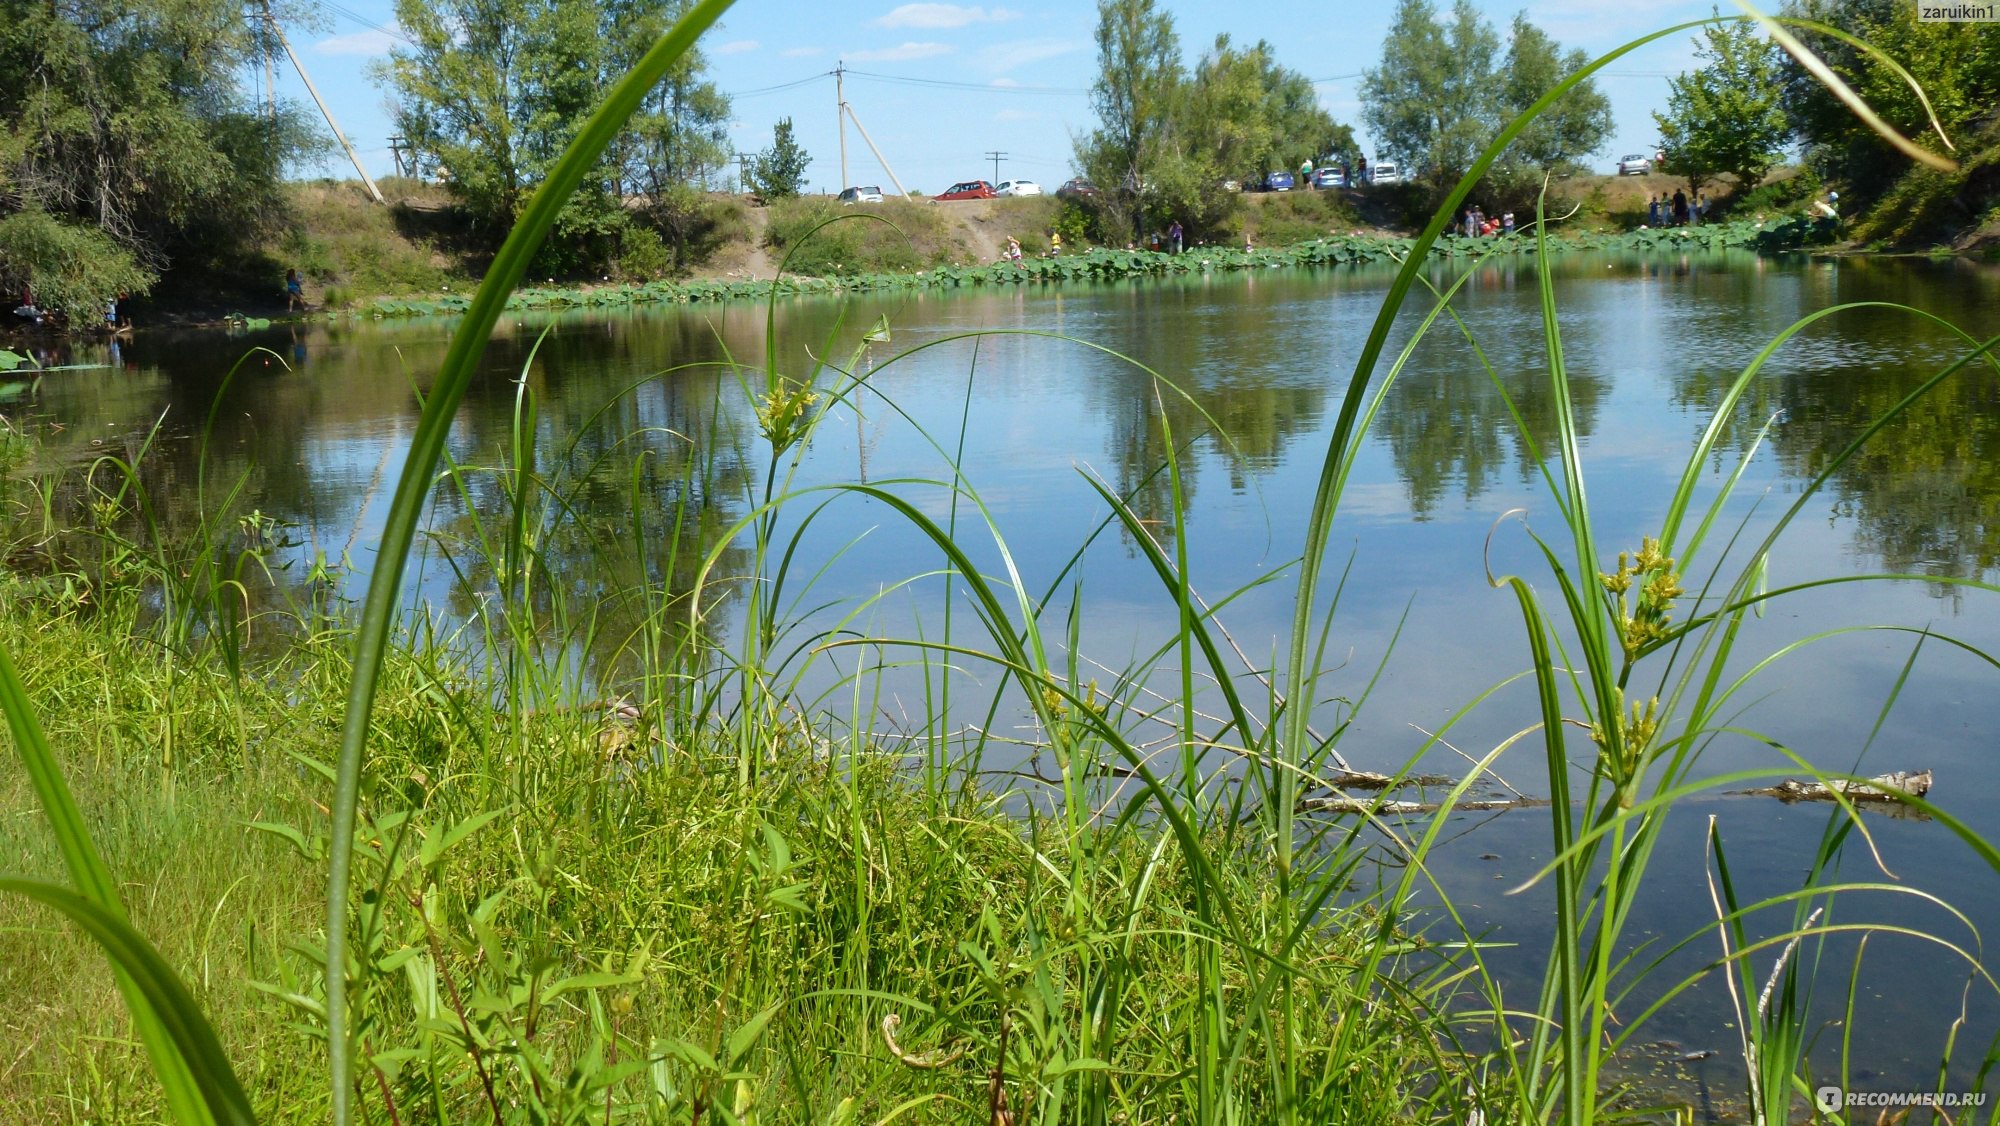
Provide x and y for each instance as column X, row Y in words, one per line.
column 1098, row 265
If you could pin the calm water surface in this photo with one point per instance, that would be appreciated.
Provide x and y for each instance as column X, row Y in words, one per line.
column 1651, row 342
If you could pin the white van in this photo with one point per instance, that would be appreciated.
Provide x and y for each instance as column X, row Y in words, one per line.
column 1384, row 172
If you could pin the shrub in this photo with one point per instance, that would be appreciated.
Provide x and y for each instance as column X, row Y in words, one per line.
column 73, row 269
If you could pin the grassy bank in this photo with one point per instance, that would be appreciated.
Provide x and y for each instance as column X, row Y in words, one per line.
column 610, row 904
column 1093, row 265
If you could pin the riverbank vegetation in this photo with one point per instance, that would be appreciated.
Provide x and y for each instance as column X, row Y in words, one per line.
column 643, row 847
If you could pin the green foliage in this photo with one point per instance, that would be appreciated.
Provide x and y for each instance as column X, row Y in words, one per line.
column 1566, row 133
column 1166, row 141
column 127, row 121
column 1138, row 79
column 1442, row 91
column 1430, row 103
column 72, row 268
column 490, row 94
column 1958, row 65
column 779, row 172
column 1728, row 116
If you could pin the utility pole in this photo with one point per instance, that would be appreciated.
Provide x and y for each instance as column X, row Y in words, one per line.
column 396, row 146
column 743, row 160
column 996, row 157
column 840, row 112
column 374, row 192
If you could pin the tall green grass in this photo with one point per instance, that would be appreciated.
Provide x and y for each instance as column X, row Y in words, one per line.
column 1162, row 932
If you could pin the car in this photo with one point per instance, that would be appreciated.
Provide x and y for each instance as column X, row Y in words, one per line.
column 1018, row 187
column 1634, row 165
column 1385, row 172
column 1328, row 178
column 1076, row 188
column 871, row 194
column 1232, row 185
column 1278, row 182
column 968, row 189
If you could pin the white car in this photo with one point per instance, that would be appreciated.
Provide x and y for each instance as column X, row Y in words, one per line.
column 1018, row 187
column 1635, row 165
column 862, row 195
column 1384, row 172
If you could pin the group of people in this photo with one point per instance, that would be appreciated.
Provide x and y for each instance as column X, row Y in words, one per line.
column 1012, row 253
column 1662, row 211
column 1477, row 224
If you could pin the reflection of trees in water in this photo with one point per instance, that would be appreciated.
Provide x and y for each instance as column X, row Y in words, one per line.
column 1924, row 492
column 319, row 448
column 1448, row 429
column 1239, row 390
column 622, row 509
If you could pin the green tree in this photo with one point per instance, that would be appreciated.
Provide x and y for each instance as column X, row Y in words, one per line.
column 1568, row 131
column 1727, row 117
column 489, row 90
column 1958, row 64
column 779, row 172
column 1135, row 94
column 1432, row 102
column 123, row 136
column 680, row 139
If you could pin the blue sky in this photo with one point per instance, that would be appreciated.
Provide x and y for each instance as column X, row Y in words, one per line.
column 938, row 85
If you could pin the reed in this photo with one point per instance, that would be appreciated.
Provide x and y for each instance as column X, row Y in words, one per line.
column 723, row 895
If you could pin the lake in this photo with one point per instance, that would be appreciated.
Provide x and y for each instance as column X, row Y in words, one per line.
column 316, row 417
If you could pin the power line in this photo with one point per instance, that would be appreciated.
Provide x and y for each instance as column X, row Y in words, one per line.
column 792, row 85
column 946, row 84
column 356, row 17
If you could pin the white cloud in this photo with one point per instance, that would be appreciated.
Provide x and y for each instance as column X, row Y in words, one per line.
column 901, row 53
column 943, row 15
column 1014, row 53
column 736, row 47
column 800, row 52
column 366, row 43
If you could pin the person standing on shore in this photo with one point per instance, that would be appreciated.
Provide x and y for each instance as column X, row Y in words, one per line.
column 295, row 292
column 1175, row 235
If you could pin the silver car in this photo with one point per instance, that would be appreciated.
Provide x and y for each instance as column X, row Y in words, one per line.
column 1018, row 187
column 869, row 194
column 1635, row 165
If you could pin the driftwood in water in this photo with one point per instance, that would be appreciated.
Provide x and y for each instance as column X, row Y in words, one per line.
column 1880, row 788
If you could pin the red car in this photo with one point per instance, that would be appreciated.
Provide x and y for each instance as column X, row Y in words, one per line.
column 970, row 189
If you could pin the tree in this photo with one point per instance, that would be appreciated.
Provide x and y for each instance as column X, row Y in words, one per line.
column 1138, row 81
column 123, row 135
column 490, row 91
column 1958, row 64
column 1568, row 131
column 779, row 172
column 1431, row 103
column 679, row 139
column 1727, row 117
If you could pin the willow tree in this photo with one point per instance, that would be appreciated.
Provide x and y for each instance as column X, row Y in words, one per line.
column 127, row 145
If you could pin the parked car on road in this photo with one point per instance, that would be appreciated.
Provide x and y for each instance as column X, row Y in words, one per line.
column 1278, row 182
column 871, row 194
column 1634, row 165
column 968, row 189
column 1078, row 187
column 1328, row 178
column 1018, row 187
column 1384, row 172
